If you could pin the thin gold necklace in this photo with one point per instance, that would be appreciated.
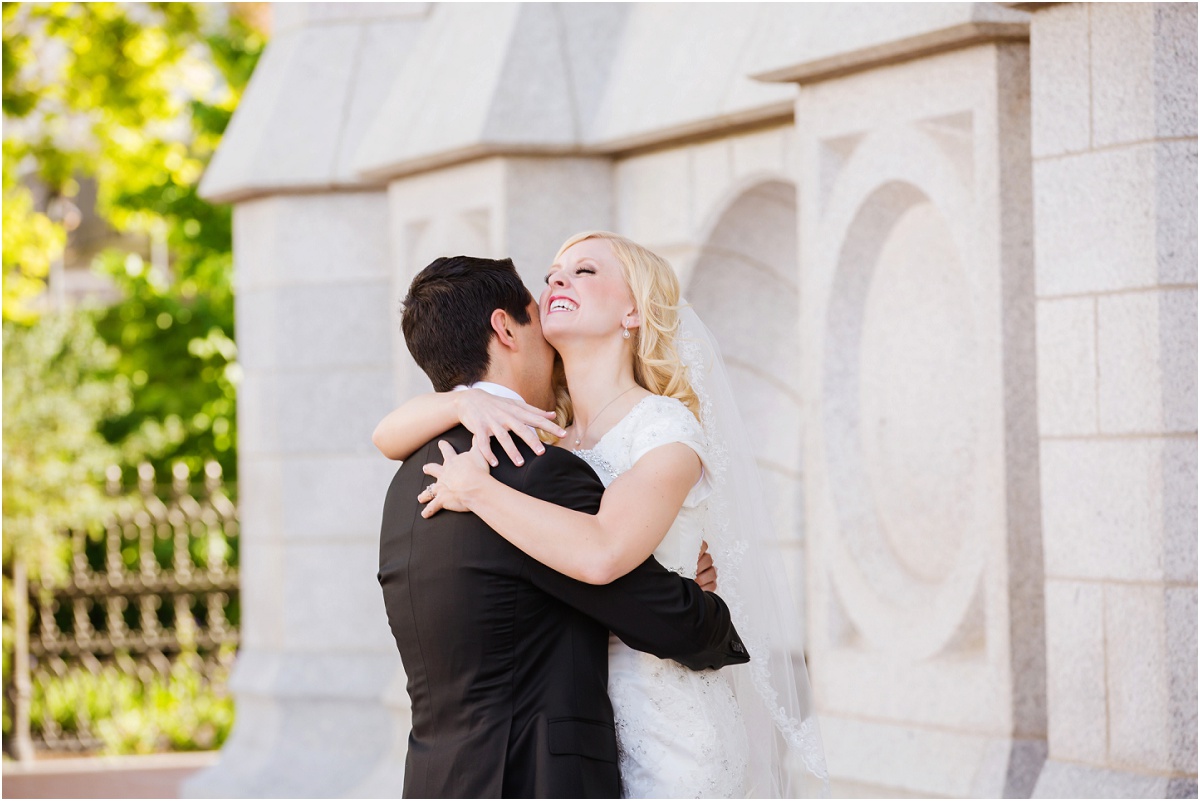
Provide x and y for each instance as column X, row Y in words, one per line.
column 597, row 417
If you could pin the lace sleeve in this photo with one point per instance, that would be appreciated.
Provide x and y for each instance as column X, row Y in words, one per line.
column 665, row 421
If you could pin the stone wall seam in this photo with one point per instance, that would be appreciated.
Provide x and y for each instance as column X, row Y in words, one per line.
column 1097, row 428
column 337, row 367
column 1116, row 146
column 1136, row 772
column 1107, row 679
column 1152, row 583
column 1116, row 436
column 1129, row 290
column 987, row 734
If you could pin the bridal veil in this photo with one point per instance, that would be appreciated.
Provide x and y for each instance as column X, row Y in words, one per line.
column 786, row 755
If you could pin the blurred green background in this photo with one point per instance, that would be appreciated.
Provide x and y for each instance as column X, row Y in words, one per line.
column 119, row 345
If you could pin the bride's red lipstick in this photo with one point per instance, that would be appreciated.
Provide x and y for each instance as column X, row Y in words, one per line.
column 553, row 298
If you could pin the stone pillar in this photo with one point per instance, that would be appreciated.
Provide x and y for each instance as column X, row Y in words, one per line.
column 918, row 373
column 316, row 655
column 318, row 714
column 1114, row 147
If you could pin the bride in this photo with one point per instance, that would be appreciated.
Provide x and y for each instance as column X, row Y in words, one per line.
column 648, row 406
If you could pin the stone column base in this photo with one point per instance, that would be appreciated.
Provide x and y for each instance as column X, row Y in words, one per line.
column 902, row 761
column 309, row 726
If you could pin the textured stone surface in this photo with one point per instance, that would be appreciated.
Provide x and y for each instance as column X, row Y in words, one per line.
column 760, row 155
column 1068, row 780
column 288, row 327
column 692, row 84
column 1123, row 96
column 533, row 81
column 318, row 85
column 1147, row 361
column 330, row 499
column 1143, row 71
column 548, row 200
column 1114, row 99
column 1179, row 514
column 1175, row 68
column 381, row 50
column 435, row 69
column 1180, row 610
column 1176, row 212
column 1076, row 691
column 570, row 76
column 282, row 135
column 1103, row 508
column 913, row 283
column 304, row 413
column 310, row 240
column 805, row 32
column 892, row 755
column 1097, row 228
column 652, row 197
column 316, row 652
column 1066, row 343
column 1138, row 680
column 261, row 568
column 1060, row 67
column 331, row 599
column 286, row 16
column 712, row 174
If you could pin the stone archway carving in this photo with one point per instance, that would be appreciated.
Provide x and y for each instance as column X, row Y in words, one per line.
column 744, row 285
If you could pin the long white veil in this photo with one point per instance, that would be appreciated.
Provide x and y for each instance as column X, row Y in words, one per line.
column 787, row 759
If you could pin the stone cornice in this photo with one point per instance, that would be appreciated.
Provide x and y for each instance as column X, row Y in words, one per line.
column 725, row 124
column 966, row 34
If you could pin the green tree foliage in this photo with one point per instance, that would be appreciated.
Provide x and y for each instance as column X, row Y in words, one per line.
column 178, row 711
column 135, row 97
column 31, row 242
column 58, row 385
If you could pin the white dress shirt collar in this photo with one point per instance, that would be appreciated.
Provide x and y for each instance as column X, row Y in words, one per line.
column 492, row 389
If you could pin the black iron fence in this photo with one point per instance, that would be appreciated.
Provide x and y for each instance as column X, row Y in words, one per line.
column 152, row 589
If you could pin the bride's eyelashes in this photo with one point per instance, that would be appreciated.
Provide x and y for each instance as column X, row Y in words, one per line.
column 578, row 271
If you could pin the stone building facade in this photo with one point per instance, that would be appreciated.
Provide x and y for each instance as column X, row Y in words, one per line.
column 950, row 250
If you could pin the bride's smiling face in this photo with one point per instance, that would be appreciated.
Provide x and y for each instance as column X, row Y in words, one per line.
column 586, row 294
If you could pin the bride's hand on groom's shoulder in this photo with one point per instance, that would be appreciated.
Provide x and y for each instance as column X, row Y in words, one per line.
column 457, row 478
column 486, row 416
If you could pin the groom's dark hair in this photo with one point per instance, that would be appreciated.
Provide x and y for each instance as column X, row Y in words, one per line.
column 446, row 318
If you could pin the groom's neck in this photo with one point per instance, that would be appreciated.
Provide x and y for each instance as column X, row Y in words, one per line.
column 504, row 378
column 531, row 390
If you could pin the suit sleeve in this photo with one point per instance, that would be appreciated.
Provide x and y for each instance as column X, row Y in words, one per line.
column 651, row 609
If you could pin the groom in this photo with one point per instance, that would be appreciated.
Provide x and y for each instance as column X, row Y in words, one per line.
column 507, row 660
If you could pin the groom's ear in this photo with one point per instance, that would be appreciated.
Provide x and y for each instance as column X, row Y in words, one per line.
column 502, row 327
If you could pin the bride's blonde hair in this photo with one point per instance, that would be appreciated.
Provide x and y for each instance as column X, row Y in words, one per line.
column 655, row 289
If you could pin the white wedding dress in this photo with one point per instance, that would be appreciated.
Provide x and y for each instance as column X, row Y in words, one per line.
column 747, row 730
column 680, row 733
